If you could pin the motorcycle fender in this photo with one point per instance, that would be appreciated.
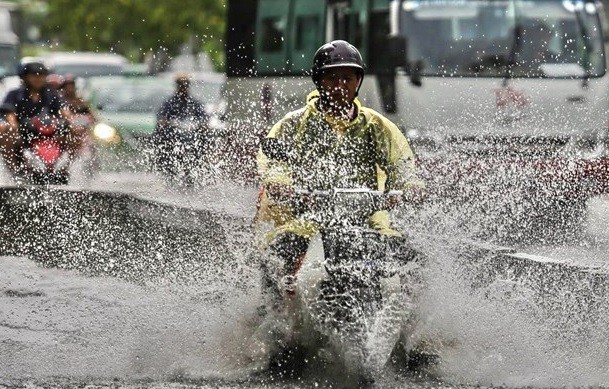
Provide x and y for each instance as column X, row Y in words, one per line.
column 312, row 272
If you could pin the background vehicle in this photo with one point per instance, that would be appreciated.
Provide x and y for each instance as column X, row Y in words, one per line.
column 489, row 122
column 85, row 64
column 44, row 160
column 208, row 88
column 126, row 108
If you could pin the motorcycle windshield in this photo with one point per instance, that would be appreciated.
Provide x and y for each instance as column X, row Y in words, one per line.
column 504, row 38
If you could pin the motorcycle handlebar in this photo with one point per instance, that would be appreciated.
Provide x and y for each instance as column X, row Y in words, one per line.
column 332, row 192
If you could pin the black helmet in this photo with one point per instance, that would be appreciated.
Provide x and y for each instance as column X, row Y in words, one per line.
column 336, row 54
column 34, row 67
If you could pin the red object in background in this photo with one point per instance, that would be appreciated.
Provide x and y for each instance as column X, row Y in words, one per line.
column 48, row 150
column 510, row 96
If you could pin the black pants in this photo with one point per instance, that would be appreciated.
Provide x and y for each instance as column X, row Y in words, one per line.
column 290, row 248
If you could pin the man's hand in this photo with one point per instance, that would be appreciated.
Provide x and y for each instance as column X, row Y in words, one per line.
column 11, row 118
column 415, row 196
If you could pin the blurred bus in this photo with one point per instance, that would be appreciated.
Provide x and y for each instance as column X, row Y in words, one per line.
column 474, row 84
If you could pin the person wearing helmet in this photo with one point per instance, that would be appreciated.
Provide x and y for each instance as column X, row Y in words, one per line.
column 29, row 100
column 332, row 142
column 180, row 106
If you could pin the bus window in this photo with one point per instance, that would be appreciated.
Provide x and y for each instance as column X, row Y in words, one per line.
column 348, row 21
column 272, row 39
column 535, row 38
column 338, row 22
column 272, row 35
column 289, row 31
column 308, row 32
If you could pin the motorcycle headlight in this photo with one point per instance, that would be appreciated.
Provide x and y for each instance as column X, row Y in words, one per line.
column 105, row 132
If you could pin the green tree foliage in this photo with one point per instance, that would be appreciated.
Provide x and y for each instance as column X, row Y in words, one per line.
column 137, row 27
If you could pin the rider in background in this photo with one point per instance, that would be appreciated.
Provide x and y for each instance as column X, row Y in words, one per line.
column 83, row 118
column 180, row 106
column 31, row 99
column 332, row 142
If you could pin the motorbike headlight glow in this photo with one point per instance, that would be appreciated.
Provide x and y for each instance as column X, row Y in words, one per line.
column 105, row 132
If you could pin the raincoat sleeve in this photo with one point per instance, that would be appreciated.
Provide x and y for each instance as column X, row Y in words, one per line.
column 396, row 160
column 272, row 171
column 395, row 165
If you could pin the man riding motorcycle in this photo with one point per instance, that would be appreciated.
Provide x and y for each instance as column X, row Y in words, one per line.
column 180, row 106
column 31, row 99
column 333, row 142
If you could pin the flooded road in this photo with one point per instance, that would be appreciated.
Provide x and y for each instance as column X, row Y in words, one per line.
column 184, row 317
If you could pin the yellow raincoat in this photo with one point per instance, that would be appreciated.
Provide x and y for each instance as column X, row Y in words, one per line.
column 368, row 151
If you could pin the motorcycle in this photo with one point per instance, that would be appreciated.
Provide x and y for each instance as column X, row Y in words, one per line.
column 181, row 148
column 44, row 157
column 351, row 300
